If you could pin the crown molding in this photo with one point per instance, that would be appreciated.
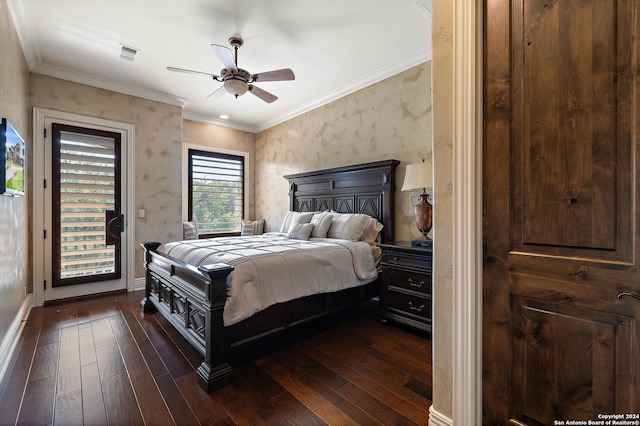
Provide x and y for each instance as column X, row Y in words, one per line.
column 20, row 15
column 409, row 61
column 107, row 84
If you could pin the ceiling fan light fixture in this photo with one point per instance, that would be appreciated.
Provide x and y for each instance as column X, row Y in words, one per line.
column 236, row 86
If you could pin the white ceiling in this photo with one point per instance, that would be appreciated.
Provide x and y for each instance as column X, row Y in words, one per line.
column 334, row 47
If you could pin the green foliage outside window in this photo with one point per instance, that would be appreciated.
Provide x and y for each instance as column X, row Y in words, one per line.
column 217, row 191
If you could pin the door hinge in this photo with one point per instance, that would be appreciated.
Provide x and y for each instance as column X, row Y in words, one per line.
column 45, row 132
column 45, row 184
column 44, row 284
column 45, row 234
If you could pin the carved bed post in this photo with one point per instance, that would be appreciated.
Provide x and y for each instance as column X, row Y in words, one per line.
column 292, row 192
column 145, row 303
column 215, row 372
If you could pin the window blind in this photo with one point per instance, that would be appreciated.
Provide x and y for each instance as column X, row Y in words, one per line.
column 216, row 191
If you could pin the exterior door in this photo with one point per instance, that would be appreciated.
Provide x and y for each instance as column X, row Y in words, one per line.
column 87, row 218
column 561, row 338
column 87, row 221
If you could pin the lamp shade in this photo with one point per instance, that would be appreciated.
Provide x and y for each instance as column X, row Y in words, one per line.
column 418, row 176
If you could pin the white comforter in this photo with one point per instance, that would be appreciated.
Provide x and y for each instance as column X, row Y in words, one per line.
column 270, row 268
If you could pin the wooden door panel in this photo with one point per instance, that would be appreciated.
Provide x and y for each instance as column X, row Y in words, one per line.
column 560, row 210
column 571, row 128
column 566, row 361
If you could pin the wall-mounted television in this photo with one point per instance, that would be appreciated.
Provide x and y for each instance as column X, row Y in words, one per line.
column 12, row 146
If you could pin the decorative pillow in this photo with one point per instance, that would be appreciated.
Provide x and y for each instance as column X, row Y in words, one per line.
column 295, row 217
column 321, row 223
column 252, row 227
column 371, row 232
column 300, row 231
column 189, row 230
column 348, row 226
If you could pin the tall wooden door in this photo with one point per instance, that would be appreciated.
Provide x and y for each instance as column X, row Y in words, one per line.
column 561, row 331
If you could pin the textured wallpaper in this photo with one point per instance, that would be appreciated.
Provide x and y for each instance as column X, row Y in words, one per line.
column 14, row 225
column 158, row 150
column 390, row 119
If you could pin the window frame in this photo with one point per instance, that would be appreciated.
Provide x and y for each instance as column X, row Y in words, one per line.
column 186, row 179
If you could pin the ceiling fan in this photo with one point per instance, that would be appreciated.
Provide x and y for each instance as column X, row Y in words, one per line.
column 237, row 81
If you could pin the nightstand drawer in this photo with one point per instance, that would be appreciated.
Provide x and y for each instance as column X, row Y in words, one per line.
column 400, row 259
column 406, row 280
column 409, row 280
column 410, row 305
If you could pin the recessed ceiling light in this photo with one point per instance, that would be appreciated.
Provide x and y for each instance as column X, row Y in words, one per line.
column 224, row 116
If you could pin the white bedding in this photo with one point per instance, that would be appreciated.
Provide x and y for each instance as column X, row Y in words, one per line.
column 270, row 268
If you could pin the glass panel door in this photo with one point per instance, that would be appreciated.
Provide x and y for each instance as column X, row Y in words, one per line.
column 87, row 218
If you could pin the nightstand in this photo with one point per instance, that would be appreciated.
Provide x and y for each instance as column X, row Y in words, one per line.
column 406, row 285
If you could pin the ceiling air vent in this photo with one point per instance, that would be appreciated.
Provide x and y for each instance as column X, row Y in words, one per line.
column 127, row 53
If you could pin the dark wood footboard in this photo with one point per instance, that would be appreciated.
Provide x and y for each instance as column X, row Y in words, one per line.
column 192, row 299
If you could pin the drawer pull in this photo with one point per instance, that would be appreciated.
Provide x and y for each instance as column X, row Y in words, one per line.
column 412, row 284
column 413, row 308
column 623, row 294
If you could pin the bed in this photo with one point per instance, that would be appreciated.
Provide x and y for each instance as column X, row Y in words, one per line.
column 193, row 298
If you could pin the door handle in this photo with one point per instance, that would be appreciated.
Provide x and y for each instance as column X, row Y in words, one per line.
column 626, row 293
column 114, row 227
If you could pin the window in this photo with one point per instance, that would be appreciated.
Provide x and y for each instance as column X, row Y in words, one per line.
column 216, row 192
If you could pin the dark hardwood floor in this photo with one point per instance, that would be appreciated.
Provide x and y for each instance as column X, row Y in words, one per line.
column 101, row 361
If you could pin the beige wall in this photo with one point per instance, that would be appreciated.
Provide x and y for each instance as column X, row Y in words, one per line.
column 390, row 119
column 442, row 37
column 158, row 149
column 15, row 274
column 208, row 135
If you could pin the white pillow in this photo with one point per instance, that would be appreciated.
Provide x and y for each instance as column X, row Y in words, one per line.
column 295, row 217
column 348, row 226
column 321, row 223
column 189, row 230
column 371, row 232
column 252, row 227
column 300, row 231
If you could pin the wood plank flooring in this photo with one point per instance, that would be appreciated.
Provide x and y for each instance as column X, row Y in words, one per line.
column 101, row 361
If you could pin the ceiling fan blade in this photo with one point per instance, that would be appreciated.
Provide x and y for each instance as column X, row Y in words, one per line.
column 217, row 93
column 262, row 94
column 225, row 55
column 215, row 77
column 276, row 75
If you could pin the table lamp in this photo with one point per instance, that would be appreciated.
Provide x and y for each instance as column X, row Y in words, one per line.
column 418, row 176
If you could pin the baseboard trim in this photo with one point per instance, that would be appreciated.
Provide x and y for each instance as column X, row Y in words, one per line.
column 438, row 419
column 138, row 284
column 13, row 334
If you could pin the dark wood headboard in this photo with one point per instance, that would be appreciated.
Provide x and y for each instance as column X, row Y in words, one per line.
column 367, row 188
